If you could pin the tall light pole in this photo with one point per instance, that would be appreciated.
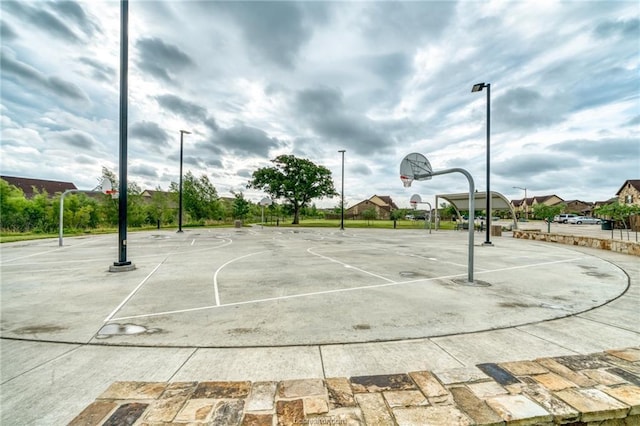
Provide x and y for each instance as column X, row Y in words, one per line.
column 478, row 88
column 526, row 215
column 342, row 196
column 182, row 132
column 123, row 264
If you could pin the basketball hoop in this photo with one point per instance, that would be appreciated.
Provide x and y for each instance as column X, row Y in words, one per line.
column 107, row 188
column 414, row 167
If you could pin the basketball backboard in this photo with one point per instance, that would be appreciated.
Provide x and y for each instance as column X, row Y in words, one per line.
column 414, row 166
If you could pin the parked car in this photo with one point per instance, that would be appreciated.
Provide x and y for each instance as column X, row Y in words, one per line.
column 564, row 218
column 579, row 220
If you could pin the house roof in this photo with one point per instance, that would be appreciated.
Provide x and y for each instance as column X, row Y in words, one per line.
column 633, row 182
column 27, row 185
column 388, row 202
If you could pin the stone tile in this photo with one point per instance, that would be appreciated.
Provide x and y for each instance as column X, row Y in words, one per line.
column 126, row 414
column 315, row 405
column 582, row 362
column 257, row 420
column 431, row 416
column 628, row 394
column 196, row 410
column 518, row 409
column 405, row 398
column 603, row 377
column 227, row 412
column 347, row 416
column 460, row 375
column 340, row 393
column 498, row 373
column 594, row 404
column 631, row 367
column 178, row 388
column 485, row 390
column 553, row 381
column 629, row 354
column 93, row 414
column 374, row 409
column 290, row 412
column 261, row 396
column 165, row 408
column 381, row 383
column 429, row 384
column 626, row 375
column 294, row 389
column 474, row 407
column 134, row 390
column 523, row 368
column 562, row 412
column 220, row 390
column 566, row 372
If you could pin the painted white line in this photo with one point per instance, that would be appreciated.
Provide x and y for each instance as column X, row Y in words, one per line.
column 134, row 291
column 215, row 276
column 309, row 250
column 193, row 241
column 342, row 290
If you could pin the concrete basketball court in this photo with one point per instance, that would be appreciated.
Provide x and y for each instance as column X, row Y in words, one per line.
column 281, row 303
column 284, row 287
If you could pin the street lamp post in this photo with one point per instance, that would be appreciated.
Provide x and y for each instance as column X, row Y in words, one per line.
column 182, row 132
column 526, row 213
column 342, row 194
column 478, row 88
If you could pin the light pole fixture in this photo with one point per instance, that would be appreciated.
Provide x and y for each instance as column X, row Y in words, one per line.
column 182, row 132
column 342, row 194
column 526, row 215
column 478, row 88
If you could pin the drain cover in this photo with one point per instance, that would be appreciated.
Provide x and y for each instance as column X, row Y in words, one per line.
column 122, row 330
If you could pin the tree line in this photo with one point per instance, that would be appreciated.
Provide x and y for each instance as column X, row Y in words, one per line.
column 295, row 181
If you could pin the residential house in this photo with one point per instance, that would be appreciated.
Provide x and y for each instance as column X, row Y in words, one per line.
column 30, row 187
column 582, row 208
column 629, row 192
column 525, row 205
column 382, row 204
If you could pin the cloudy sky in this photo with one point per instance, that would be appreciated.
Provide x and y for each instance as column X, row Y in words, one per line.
column 253, row 80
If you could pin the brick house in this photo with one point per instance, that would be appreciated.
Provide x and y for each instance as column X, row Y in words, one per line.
column 526, row 204
column 629, row 192
column 583, row 208
column 30, row 187
column 382, row 204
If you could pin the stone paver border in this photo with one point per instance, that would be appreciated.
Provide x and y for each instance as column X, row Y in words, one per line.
column 600, row 388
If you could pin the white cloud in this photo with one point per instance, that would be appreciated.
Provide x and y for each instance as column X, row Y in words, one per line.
column 378, row 79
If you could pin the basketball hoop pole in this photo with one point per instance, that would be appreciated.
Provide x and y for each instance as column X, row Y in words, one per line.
column 472, row 208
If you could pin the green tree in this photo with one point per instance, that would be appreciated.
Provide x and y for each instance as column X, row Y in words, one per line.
column 543, row 211
column 240, row 206
column 199, row 197
column 618, row 213
column 296, row 180
column 369, row 214
column 12, row 207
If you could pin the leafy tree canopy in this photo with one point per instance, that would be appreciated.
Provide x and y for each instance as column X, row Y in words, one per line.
column 297, row 180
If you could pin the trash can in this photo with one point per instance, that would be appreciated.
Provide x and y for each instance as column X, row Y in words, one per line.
column 237, row 224
column 496, row 230
column 606, row 225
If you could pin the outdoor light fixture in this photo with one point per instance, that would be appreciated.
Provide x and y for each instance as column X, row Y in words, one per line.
column 342, row 196
column 478, row 88
column 526, row 215
column 182, row 132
